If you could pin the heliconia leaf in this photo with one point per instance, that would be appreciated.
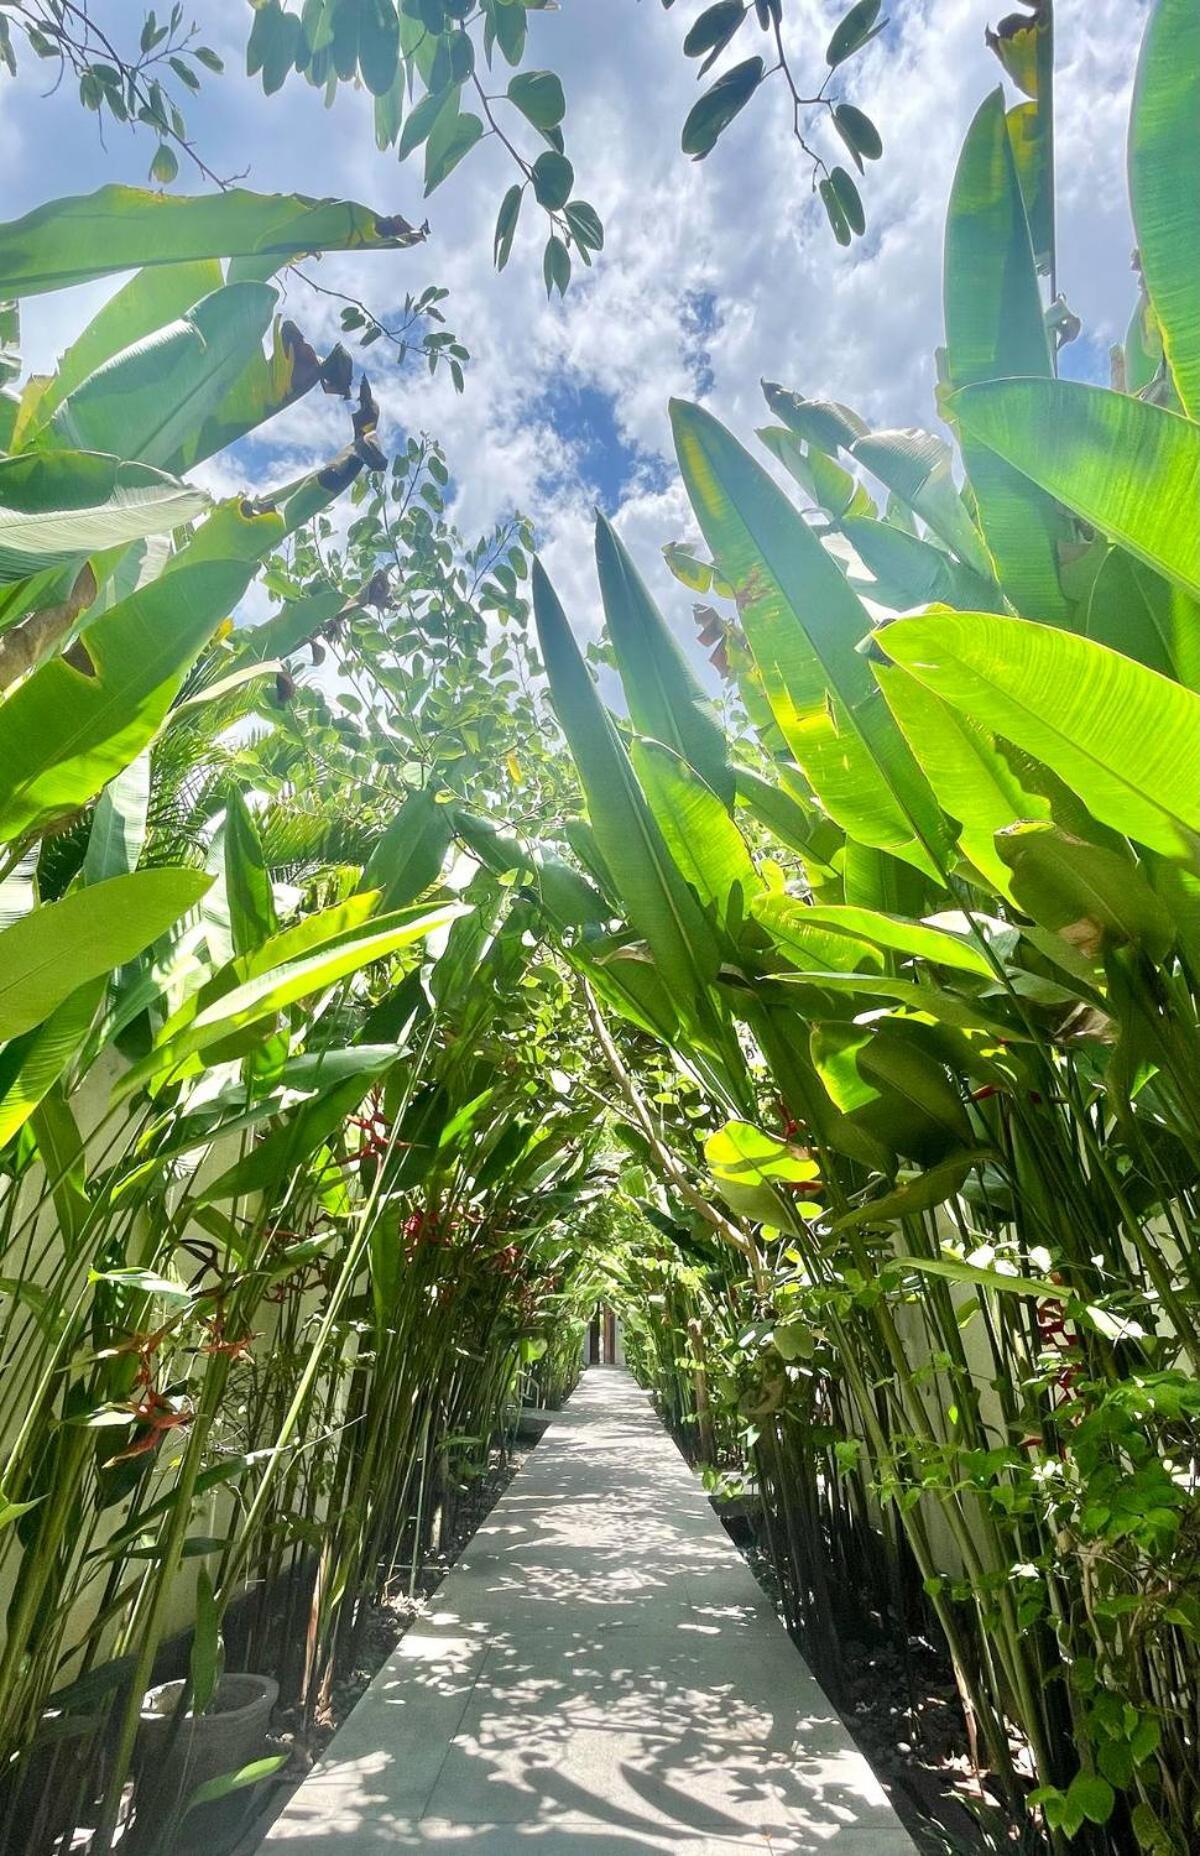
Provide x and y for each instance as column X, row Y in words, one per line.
column 301, row 1131
column 995, row 329
column 803, row 624
column 1164, row 184
column 252, row 918
column 908, row 571
column 916, row 467
column 69, row 241
column 1091, row 895
column 921, row 1193
column 1129, row 468
column 753, row 1172
column 148, row 400
column 666, row 702
column 30, row 1065
column 795, row 823
column 974, row 782
column 976, row 1276
column 65, row 732
column 119, row 824
column 811, row 944
column 1134, row 610
column 893, row 1089
column 659, row 903
column 205, row 1660
column 213, row 1790
column 1121, row 737
column 994, row 321
column 150, row 300
column 58, row 947
column 911, row 940
column 703, row 840
column 56, row 509
column 269, row 991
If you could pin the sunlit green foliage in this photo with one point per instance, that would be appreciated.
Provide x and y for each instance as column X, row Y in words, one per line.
column 926, row 949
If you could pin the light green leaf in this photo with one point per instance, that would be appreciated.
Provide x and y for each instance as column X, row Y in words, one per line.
column 65, row 733
column 922, row 1193
column 1164, row 184
column 1121, row 737
column 57, row 509
column 252, row 918
column 204, row 1664
column 119, row 824
column 452, row 137
column 279, row 986
column 995, row 329
column 893, row 932
column 974, row 782
column 892, row 1089
column 793, row 821
column 148, row 400
column 54, row 949
column 214, row 1789
column 539, row 97
column 1134, row 610
column 750, row 1167
column 666, row 702
column 1086, row 892
column 1130, row 469
column 907, row 571
column 916, row 466
column 31, row 1065
column 150, row 300
column 659, row 903
column 68, row 241
column 803, row 623
column 998, row 1280
column 703, row 840
column 409, row 857
column 810, row 944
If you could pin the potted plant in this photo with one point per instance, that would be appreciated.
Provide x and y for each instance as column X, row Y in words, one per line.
column 211, row 1751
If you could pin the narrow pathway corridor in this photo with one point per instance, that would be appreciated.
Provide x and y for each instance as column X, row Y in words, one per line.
column 599, row 1675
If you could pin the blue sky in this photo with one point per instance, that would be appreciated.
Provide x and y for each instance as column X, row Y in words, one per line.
column 713, row 275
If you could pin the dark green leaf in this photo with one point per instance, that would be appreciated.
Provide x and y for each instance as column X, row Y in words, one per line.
column 556, row 266
column 506, row 225
column 848, row 199
column 716, row 109
column 858, row 132
column 553, row 179
column 853, row 31
column 539, row 97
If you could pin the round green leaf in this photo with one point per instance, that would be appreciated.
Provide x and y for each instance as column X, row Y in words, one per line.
column 553, row 178
column 539, row 97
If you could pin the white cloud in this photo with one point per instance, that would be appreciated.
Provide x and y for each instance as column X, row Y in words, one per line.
column 740, row 230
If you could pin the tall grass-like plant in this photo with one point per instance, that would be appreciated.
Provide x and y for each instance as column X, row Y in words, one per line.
column 274, row 1199
column 924, row 949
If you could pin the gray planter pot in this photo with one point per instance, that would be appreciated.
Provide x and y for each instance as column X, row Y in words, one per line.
column 172, row 1760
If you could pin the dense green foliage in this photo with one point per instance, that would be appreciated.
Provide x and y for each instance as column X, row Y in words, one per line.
column 360, row 1030
column 924, row 952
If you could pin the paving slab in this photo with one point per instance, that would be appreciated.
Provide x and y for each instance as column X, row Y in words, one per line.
column 599, row 1675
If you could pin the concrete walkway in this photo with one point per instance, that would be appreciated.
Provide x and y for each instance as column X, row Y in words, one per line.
column 599, row 1675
